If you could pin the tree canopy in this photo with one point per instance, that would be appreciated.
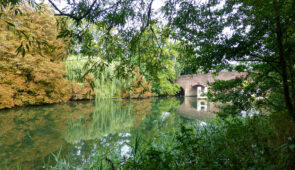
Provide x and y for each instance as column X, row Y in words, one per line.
column 253, row 36
column 31, row 54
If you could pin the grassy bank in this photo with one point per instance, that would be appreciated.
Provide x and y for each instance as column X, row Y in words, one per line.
column 258, row 142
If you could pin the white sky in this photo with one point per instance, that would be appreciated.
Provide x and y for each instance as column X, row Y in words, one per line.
column 62, row 3
column 157, row 4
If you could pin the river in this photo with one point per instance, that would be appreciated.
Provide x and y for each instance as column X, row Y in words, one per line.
column 76, row 130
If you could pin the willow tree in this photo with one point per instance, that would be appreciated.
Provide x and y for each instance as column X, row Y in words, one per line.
column 156, row 55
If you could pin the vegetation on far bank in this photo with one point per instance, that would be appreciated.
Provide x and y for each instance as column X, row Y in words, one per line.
column 39, row 69
column 37, row 78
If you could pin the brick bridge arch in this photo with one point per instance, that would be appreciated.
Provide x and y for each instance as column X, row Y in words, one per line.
column 196, row 84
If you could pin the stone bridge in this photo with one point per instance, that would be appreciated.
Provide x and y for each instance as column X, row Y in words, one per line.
column 196, row 84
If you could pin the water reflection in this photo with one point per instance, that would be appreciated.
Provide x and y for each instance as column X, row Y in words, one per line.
column 199, row 109
column 79, row 129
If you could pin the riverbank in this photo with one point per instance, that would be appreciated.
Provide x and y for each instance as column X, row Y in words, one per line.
column 31, row 83
column 37, row 81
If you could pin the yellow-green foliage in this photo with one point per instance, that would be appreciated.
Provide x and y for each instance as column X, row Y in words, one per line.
column 105, row 83
column 139, row 88
column 33, row 32
column 31, row 70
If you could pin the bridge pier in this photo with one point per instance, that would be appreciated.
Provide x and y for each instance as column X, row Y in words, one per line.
column 196, row 91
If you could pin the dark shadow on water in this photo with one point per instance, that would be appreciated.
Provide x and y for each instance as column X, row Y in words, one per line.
column 180, row 93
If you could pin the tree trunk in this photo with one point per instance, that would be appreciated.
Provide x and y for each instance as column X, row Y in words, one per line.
column 283, row 64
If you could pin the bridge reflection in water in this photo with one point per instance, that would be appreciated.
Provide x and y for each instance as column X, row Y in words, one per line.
column 196, row 108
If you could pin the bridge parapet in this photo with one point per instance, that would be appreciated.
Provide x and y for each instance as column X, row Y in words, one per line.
column 194, row 85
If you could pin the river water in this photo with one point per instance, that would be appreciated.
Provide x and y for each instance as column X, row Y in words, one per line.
column 77, row 130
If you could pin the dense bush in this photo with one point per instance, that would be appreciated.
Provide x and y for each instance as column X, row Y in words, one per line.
column 237, row 143
column 31, row 66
